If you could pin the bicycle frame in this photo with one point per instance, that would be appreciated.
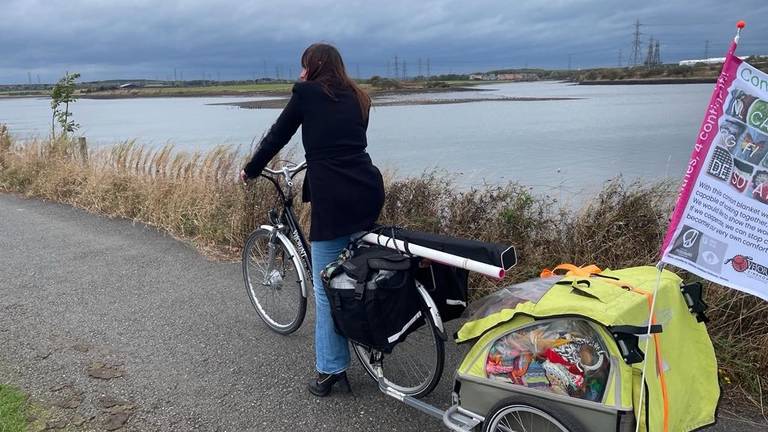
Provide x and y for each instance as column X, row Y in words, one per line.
column 302, row 245
column 287, row 222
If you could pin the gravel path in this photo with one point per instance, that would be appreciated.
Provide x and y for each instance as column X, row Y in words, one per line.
column 115, row 325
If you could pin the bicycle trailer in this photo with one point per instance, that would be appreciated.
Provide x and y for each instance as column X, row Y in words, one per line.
column 568, row 352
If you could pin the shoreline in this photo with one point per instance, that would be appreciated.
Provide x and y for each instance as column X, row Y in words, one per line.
column 223, row 92
column 133, row 94
column 642, row 81
column 219, row 91
column 280, row 103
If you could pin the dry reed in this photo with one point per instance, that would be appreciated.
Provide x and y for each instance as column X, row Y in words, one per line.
column 196, row 196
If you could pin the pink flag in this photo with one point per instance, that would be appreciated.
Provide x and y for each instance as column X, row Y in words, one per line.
column 719, row 227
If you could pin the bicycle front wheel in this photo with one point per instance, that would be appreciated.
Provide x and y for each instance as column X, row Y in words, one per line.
column 274, row 276
column 415, row 365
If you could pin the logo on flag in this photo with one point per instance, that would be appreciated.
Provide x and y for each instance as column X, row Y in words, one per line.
column 743, row 264
column 740, row 263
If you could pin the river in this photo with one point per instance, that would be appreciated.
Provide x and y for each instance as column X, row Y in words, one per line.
column 555, row 146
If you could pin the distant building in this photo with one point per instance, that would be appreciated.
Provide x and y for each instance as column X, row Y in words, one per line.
column 504, row 77
column 516, row 77
column 128, row 85
column 711, row 60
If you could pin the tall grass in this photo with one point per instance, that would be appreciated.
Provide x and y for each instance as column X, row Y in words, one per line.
column 196, row 196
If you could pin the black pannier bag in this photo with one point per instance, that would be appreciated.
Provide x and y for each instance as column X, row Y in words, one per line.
column 373, row 296
column 448, row 288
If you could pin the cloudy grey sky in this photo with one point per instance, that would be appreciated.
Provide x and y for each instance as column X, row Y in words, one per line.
column 227, row 39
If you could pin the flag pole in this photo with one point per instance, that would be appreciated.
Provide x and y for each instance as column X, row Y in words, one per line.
column 732, row 50
column 739, row 25
column 660, row 267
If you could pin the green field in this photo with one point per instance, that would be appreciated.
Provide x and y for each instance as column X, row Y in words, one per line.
column 90, row 90
column 13, row 405
column 110, row 90
column 220, row 88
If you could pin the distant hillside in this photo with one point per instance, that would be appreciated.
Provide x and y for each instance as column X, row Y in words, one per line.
column 668, row 72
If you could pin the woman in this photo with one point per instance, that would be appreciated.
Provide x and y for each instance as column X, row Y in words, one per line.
column 345, row 188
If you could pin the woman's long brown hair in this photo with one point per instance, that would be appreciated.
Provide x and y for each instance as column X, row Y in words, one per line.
column 324, row 65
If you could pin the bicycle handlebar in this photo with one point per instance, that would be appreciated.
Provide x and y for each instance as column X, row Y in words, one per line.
column 288, row 171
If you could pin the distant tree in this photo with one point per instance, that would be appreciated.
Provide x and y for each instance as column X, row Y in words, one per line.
column 437, row 84
column 62, row 95
column 384, row 83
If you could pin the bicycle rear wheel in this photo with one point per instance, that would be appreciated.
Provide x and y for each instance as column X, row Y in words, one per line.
column 415, row 365
column 273, row 276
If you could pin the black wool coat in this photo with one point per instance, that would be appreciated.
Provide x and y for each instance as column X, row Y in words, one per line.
column 345, row 188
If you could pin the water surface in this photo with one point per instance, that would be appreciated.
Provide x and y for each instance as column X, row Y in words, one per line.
column 561, row 147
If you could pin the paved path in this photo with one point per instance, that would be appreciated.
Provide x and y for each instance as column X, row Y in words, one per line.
column 115, row 324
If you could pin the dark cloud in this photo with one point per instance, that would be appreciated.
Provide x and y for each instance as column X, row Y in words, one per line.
column 234, row 39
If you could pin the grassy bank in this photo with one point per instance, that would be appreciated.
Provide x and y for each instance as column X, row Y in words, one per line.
column 111, row 89
column 196, row 196
column 13, row 417
column 669, row 72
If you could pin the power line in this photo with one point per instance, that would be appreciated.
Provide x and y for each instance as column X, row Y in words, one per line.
column 649, row 57
column 636, row 44
column 397, row 68
column 653, row 58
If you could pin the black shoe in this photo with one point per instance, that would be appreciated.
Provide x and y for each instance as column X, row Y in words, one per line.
column 321, row 386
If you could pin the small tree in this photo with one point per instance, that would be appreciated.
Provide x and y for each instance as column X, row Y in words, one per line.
column 62, row 95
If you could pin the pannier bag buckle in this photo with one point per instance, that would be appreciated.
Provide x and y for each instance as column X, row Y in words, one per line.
column 359, row 290
column 693, row 294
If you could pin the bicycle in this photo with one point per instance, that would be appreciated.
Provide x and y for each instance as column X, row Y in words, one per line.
column 277, row 269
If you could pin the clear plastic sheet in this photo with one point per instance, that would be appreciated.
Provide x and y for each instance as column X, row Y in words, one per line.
column 511, row 296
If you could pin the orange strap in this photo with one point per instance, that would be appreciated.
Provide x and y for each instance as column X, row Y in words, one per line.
column 571, row 270
column 656, row 343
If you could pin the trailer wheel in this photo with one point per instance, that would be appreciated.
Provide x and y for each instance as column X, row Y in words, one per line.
column 527, row 414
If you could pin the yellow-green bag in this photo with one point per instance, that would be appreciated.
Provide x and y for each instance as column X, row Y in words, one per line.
column 682, row 389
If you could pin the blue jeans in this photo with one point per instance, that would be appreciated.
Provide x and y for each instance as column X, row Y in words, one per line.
column 331, row 348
